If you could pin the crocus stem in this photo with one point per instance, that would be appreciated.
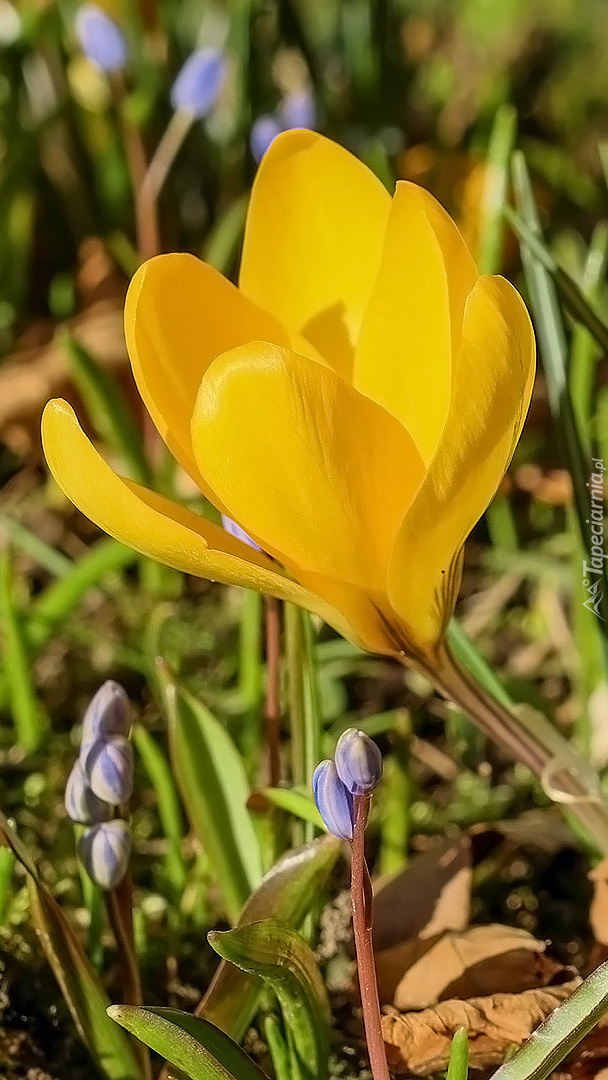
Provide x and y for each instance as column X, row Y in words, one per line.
column 119, row 905
column 272, row 710
column 361, row 896
column 530, row 738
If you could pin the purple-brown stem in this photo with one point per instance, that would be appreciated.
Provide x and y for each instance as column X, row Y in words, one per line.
column 361, row 897
column 272, row 710
column 119, row 905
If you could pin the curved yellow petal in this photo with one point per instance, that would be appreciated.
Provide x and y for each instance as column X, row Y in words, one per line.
column 412, row 325
column 153, row 525
column 318, row 474
column 493, row 380
column 180, row 314
column 313, row 240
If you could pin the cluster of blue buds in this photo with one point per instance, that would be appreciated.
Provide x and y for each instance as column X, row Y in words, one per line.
column 355, row 770
column 100, row 781
column 297, row 110
column 198, row 83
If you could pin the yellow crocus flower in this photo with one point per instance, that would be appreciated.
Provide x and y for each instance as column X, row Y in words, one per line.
column 353, row 404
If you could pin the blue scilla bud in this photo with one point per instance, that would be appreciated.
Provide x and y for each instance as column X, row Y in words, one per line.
column 199, row 83
column 239, row 534
column 107, row 714
column 358, row 762
column 104, row 851
column 108, row 767
column 101, row 40
column 81, row 803
column 264, row 130
column 298, row 110
column 334, row 802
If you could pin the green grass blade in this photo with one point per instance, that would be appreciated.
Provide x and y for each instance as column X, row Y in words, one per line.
column 25, row 540
column 214, row 787
column 561, row 1031
column 277, row 954
column 106, row 407
column 458, row 1068
column 25, row 708
column 300, row 804
column 494, row 194
column 187, row 1042
column 159, row 773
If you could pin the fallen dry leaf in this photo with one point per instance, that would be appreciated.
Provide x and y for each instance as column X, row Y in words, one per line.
column 598, row 911
column 418, row 1043
column 482, row 960
column 432, row 895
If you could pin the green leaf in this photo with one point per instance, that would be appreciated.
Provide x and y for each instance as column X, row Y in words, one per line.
column 295, row 801
column 106, row 406
column 560, row 1032
column 188, row 1042
column 279, row 955
column 159, row 773
column 286, row 894
column 79, row 985
column 213, row 784
column 25, row 709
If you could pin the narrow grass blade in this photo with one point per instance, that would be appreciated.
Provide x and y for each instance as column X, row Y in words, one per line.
column 551, row 335
column 25, row 540
column 275, row 1041
column 294, row 801
column 225, row 237
column 187, row 1042
column 494, row 194
column 79, row 985
column 213, row 784
column 25, row 709
column 277, row 954
column 458, row 1068
column 159, row 773
column 7, row 866
column 106, row 406
column 286, row 893
column 561, row 1031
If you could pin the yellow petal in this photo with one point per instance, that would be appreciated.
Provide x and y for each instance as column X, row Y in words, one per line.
column 318, row 474
column 313, row 240
column 153, row 525
column 493, row 379
column 412, row 325
column 179, row 315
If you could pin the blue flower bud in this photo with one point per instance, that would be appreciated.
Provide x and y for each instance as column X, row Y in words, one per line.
column 334, row 802
column 298, row 110
column 104, row 851
column 100, row 38
column 239, row 534
column 108, row 713
column 81, row 803
column 264, row 130
column 108, row 767
column 199, row 83
column 358, row 762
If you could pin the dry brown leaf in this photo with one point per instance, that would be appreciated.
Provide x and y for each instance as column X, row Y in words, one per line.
column 418, row 1043
column 432, row 895
column 482, row 960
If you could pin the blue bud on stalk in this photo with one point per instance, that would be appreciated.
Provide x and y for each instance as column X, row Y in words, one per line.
column 101, row 40
column 239, row 534
column 334, row 802
column 107, row 714
column 358, row 762
column 104, row 851
column 263, row 132
column 108, row 767
column 81, row 803
column 199, row 83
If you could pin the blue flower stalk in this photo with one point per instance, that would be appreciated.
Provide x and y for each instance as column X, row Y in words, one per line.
column 97, row 791
column 343, row 790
